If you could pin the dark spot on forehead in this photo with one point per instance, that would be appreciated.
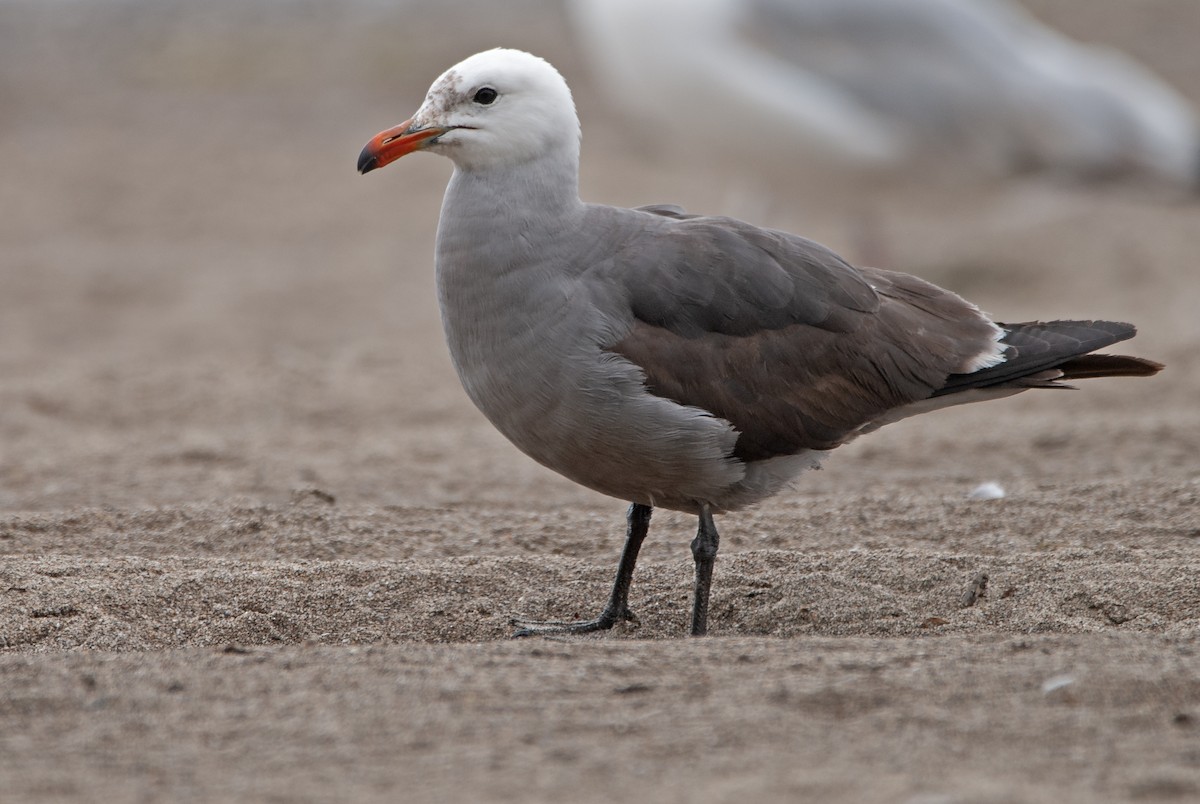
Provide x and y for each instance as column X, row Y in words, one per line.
column 445, row 91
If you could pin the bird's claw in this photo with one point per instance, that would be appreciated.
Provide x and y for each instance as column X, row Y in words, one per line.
column 604, row 622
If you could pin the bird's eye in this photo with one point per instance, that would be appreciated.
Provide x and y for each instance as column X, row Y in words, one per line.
column 486, row 96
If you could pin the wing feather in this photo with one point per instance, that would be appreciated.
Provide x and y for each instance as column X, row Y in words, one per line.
column 780, row 336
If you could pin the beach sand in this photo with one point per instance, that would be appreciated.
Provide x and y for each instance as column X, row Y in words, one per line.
column 256, row 544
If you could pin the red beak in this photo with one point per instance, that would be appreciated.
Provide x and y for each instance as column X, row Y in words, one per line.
column 388, row 146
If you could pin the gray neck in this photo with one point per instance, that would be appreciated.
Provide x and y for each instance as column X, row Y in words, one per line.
column 507, row 239
column 500, row 212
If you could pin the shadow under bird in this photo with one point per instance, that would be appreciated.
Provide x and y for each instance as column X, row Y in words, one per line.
column 690, row 362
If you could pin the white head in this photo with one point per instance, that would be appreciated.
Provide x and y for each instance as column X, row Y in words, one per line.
column 497, row 108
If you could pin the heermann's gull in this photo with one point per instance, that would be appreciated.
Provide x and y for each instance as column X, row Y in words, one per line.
column 689, row 362
column 978, row 86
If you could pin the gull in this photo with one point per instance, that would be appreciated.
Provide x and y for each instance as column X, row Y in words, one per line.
column 980, row 87
column 673, row 360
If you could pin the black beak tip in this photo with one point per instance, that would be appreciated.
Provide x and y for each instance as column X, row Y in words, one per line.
column 367, row 162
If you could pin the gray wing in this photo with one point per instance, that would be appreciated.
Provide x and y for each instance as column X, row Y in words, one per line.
column 780, row 336
column 667, row 211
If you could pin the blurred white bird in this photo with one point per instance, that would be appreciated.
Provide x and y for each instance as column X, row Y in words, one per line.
column 977, row 86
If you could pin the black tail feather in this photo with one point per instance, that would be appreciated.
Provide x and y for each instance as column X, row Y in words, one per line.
column 1043, row 353
column 1086, row 367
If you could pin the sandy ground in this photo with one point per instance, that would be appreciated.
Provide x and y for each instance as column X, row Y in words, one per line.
column 257, row 546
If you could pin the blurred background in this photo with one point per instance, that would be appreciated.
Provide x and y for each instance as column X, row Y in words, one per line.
column 200, row 298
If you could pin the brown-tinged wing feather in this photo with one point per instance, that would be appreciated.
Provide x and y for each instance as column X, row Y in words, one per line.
column 780, row 336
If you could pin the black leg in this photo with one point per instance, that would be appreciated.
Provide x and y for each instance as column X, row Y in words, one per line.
column 617, row 608
column 704, row 550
